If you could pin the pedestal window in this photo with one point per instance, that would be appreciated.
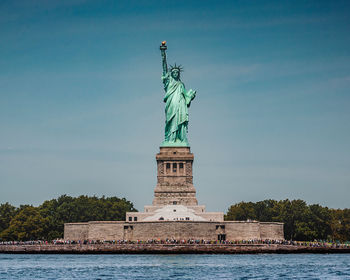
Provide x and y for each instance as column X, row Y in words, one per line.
column 181, row 168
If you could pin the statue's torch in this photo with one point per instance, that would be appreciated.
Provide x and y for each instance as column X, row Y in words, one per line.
column 163, row 46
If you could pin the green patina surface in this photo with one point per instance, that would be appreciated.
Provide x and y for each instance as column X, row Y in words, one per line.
column 177, row 101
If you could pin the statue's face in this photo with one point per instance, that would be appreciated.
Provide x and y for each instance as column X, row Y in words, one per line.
column 175, row 74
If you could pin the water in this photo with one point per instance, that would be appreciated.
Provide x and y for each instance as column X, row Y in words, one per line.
column 270, row 266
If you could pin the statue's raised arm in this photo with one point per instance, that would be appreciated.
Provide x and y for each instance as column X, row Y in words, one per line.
column 177, row 101
column 163, row 48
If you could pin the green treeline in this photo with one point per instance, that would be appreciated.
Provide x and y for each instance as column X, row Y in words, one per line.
column 46, row 222
column 301, row 221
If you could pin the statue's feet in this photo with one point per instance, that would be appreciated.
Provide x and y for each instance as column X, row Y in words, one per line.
column 177, row 143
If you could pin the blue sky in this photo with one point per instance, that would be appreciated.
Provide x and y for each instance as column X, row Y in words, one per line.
column 81, row 108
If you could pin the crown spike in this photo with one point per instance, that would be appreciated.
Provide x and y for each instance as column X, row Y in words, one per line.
column 178, row 67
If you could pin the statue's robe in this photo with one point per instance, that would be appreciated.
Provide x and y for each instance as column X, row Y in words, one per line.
column 177, row 100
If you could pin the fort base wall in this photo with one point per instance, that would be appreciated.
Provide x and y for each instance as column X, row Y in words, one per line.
column 106, row 230
column 76, row 231
column 228, row 230
column 271, row 230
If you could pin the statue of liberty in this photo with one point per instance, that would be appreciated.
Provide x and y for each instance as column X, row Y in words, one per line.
column 177, row 101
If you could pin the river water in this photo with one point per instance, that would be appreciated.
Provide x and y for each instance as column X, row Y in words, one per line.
column 264, row 266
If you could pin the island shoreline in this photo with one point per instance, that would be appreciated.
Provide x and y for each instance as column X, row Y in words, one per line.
column 169, row 249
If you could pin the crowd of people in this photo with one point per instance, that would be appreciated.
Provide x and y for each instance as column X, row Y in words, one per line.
column 315, row 243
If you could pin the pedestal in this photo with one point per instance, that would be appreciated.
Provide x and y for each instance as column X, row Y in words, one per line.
column 175, row 179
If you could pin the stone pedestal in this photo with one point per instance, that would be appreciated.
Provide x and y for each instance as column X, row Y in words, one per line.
column 175, row 179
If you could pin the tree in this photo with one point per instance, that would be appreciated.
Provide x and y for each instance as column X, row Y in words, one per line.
column 294, row 214
column 28, row 224
column 301, row 221
column 241, row 212
column 68, row 209
column 340, row 224
column 7, row 212
column 320, row 221
column 47, row 220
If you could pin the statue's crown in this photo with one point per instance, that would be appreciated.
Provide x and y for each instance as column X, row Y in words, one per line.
column 177, row 67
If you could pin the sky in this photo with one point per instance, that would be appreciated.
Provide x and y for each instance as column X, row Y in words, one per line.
column 82, row 112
